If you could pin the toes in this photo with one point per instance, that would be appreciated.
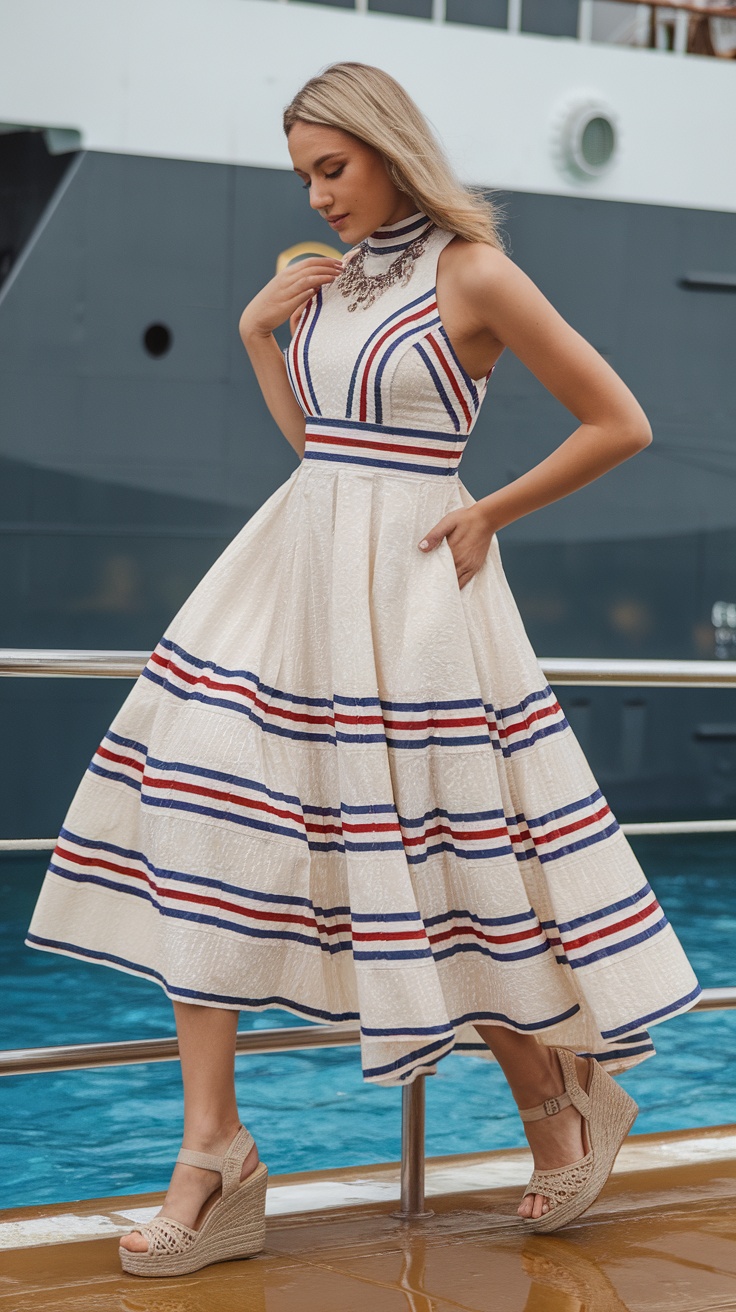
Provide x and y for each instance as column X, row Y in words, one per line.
column 134, row 1242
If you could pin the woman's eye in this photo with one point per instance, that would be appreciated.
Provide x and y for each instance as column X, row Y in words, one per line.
column 336, row 174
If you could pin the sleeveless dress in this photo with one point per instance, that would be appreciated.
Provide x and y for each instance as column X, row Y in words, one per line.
column 342, row 785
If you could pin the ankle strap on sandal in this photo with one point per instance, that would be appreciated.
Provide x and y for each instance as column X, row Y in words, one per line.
column 548, row 1108
column 229, row 1165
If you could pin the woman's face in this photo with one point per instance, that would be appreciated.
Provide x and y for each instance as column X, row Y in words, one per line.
column 347, row 180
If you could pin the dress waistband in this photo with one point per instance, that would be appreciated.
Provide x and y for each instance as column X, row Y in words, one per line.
column 380, row 446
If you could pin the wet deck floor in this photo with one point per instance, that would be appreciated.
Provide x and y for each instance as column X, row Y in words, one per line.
column 662, row 1236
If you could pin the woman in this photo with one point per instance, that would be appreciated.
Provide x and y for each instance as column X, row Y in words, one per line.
column 342, row 784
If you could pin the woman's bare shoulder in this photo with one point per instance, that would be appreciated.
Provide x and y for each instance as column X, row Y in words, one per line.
column 474, row 262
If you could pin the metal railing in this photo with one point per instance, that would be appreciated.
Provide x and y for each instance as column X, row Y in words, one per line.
column 658, row 16
column 25, row 663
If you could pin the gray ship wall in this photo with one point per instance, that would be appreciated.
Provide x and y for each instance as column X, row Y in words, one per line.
column 125, row 471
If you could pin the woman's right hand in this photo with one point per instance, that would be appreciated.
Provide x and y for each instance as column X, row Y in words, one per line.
column 287, row 293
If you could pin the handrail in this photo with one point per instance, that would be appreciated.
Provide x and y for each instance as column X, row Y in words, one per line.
column 28, row 662
column 630, row 827
column 289, row 1038
column 132, row 1052
column 687, row 7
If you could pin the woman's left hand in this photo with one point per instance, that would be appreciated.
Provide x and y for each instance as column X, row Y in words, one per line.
column 468, row 532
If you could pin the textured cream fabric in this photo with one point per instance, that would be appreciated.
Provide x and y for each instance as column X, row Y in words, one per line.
column 342, row 785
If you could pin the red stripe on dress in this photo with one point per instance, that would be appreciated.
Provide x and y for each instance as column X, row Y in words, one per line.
column 485, row 938
column 178, row 895
column 504, row 732
column 461, row 835
column 453, row 380
column 218, row 795
column 217, row 686
column 295, row 353
column 571, row 945
column 436, row 722
column 561, row 830
column 334, row 440
column 418, row 314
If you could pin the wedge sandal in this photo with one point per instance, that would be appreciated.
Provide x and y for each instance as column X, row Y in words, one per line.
column 234, row 1227
column 608, row 1114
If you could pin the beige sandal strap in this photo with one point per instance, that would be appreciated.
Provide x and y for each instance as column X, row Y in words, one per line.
column 232, row 1162
column 228, row 1166
column 207, row 1161
column 548, row 1108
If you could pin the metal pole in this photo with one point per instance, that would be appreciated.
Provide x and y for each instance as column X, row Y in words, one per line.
column 682, row 28
column 412, row 1152
column 513, row 16
column 585, row 20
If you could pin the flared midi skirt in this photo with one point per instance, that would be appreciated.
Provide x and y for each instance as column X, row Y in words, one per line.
column 342, row 786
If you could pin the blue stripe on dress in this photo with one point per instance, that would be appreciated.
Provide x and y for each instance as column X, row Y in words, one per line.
column 654, row 1015
column 305, row 353
column 388, row 350
column 397, row 314
column 438, row 384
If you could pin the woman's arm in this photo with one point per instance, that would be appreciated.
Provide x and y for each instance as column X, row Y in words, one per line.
column 284, row 297
column 505, row 306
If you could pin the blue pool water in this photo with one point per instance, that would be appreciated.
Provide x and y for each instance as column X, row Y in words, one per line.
column 82, row 1134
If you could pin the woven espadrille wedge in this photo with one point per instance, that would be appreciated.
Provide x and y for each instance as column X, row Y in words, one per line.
column 608, row 1114
column 235, row 1226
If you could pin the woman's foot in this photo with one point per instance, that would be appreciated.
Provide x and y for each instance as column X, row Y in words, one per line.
column 193, row 1191
column 555, row 1140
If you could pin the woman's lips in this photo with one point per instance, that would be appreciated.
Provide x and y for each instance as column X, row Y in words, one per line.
column 337, row 220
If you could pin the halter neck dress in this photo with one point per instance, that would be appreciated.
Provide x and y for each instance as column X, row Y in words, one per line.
column 342, row 784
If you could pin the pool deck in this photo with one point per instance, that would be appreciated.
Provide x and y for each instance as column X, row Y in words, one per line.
column 662, row 1236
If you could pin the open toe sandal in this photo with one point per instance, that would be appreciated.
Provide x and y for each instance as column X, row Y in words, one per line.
column 608, row 1114
column 235, row 1226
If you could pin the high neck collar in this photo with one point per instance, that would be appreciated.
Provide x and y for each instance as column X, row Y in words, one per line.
column 393, row 238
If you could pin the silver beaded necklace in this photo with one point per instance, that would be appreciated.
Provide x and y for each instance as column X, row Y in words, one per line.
column 366, row 287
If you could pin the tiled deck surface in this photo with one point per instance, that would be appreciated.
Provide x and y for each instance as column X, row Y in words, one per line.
column 662, row 1236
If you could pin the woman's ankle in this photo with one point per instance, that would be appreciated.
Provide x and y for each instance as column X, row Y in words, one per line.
column 210, row 1136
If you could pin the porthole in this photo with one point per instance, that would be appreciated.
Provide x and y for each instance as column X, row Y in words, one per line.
column 597, row 143
column 157, row 339
column 586, row 138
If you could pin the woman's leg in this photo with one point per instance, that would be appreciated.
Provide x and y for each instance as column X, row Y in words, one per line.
column 534, row 1074
column 207, row 1051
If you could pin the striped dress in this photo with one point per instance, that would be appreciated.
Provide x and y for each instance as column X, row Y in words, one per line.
column 342, row 785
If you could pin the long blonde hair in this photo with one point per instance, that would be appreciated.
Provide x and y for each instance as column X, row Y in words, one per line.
column 371, row 105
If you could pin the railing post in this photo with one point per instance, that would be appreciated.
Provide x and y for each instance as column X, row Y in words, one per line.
column 412, row 1152
column 682, row 28
column 585, row 20
column 513, row 16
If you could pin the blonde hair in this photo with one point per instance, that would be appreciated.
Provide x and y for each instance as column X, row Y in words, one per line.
column 372, row 106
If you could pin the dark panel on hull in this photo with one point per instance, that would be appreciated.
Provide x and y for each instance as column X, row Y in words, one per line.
column 126, row 473
column 29, row 176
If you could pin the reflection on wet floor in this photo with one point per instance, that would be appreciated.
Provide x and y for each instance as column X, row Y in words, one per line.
column 658, row 1240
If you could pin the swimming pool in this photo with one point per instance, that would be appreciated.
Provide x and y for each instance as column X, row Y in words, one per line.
column 86, row 1134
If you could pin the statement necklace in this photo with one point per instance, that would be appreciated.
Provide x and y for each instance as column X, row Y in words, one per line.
column 408, row 238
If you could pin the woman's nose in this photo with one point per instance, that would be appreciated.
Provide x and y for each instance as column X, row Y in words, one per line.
column 319, row 198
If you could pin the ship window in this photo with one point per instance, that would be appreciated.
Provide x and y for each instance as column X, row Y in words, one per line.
column 478, row 13
column 157, row 339
column 408, row 8
column 597, row 142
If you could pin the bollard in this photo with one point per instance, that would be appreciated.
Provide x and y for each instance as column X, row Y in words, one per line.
column 412, row 1152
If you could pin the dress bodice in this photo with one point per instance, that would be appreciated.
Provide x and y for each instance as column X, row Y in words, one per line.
column 385, row 363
